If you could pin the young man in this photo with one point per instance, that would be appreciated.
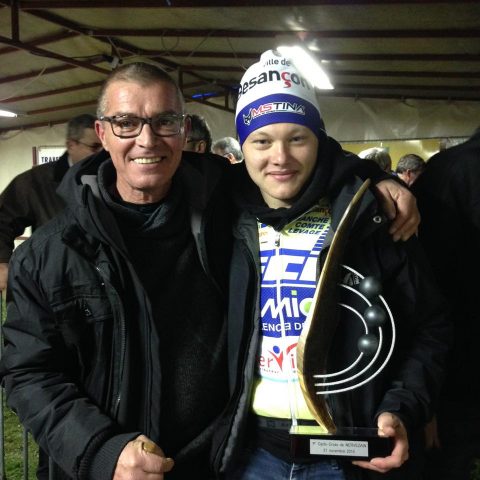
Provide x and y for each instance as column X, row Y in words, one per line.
column 295, row 188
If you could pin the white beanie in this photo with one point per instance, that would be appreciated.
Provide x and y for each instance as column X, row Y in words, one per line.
column 273, row 91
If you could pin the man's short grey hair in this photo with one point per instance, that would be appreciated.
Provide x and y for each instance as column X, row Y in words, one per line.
column 141, row 73
column 77, row 125
column 379, row 156
column 410, row 161
column 229, row 145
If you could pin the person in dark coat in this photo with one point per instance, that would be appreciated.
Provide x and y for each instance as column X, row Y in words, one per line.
column 30, row 199
column 448, row 193
column 296, row 185
column 114, row 351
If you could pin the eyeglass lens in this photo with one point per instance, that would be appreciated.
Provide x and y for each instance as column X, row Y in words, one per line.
column 131, row 126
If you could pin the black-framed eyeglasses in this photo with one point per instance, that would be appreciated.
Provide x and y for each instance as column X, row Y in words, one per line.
column 92, row 146
column 130, row 126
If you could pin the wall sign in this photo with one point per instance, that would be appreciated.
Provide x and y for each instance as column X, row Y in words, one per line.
column 47, row 154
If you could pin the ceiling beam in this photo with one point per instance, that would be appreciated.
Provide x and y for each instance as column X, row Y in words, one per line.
column 321, row 34
column 42, row 41
column 359, row 73
column 168, row 4
column 373, row 57
column 14, row 25
column 29, row 126
column 62, row 107
column 57, row 91
column 36, row 73
column 54, row 56
column 116, row 42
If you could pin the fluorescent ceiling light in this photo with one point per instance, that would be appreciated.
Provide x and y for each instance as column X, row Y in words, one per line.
column 307, row 66
column 7, row 113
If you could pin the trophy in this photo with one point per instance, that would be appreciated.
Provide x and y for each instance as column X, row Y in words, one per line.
column 360, row 303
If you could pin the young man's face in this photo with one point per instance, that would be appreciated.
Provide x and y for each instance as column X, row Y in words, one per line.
column 280, row 159
column 146, row 163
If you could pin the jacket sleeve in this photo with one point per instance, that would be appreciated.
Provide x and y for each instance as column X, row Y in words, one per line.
column 369, row 169
column 15, row 215
column 42, row 389
column 423, row 335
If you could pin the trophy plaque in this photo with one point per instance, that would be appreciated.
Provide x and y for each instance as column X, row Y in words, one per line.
column 360, row 303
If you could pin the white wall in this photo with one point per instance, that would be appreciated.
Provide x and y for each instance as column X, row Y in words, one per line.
column 16, row 149
column 350, row 120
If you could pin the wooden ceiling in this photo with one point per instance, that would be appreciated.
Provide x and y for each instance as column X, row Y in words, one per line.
column 54, row 55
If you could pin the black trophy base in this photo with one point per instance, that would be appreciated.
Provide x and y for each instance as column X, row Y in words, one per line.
column 346, row 443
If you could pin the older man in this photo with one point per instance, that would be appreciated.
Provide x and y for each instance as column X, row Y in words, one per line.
column 114, row 335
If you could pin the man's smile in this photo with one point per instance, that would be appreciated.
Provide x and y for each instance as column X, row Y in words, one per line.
column 147, row 160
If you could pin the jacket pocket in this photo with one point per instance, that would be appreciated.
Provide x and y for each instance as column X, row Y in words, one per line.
column 84, row 319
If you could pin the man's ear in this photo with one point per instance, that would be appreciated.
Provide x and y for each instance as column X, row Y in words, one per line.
column 100, row 131
column 69, row 144
column 187, row 128
column 231, row 157
column 201, row 146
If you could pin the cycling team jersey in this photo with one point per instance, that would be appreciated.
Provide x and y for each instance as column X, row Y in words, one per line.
column 288, row 279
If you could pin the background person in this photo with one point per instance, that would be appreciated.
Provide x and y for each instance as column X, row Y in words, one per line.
column 30, row 199
column 449, row 200
column 229, row 148
column 380, row 156
column 199, row 139
column 409, row 168
column 294, row 190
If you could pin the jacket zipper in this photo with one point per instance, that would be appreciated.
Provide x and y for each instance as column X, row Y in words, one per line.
column 115, row 405
column 221, row 451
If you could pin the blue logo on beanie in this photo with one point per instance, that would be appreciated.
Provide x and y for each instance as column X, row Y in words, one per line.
column 277, row 108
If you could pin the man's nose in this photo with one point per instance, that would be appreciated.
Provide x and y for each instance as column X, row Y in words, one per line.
column 280, row 152
column 147, row 138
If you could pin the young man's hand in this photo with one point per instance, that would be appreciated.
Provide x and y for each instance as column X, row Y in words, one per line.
column 142, row 459
column 389, row 425
column 400, row 206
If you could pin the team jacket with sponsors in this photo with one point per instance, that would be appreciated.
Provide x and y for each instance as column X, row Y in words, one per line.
column 411, row 381
column 288, row 262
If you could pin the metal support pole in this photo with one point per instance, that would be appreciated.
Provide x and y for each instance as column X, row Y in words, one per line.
column 3, row 475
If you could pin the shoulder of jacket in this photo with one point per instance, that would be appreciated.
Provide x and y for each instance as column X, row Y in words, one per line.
column 46, row 236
